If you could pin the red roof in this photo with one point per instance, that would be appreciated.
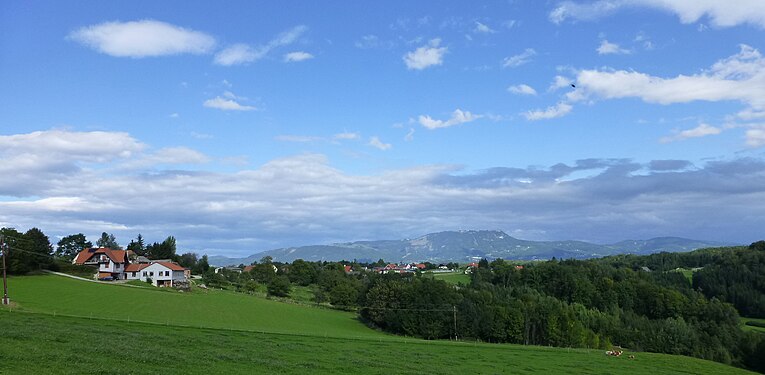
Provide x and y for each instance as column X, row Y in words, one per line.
column 135, row 267
column 172, row 266
column 348, row 269
column 116, row 256
column 248, row 268
column 421, row 266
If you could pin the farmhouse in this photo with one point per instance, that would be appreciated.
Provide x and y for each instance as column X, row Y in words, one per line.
column 159, row 273
column 115, row 265
column 111, row 263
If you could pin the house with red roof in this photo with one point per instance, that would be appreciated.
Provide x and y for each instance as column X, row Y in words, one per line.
column 115, row 265
column 111, row 263
column 159, row 273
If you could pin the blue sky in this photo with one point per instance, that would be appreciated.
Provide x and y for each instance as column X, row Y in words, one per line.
column 249, row 126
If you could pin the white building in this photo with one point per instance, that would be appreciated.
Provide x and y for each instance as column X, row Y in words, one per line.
column 115, row 265
column 160, row 273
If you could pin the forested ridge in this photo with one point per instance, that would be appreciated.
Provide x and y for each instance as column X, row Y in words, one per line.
column 639, row 302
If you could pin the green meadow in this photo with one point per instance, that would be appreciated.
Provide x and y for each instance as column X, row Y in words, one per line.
column 61, row 325
column 453, row 277
column 209, row 309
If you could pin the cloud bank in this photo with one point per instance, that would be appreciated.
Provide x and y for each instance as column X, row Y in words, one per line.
column 126, row 187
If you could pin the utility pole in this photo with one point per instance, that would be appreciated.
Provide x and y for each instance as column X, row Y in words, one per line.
column 4, row 249
column 454, row 309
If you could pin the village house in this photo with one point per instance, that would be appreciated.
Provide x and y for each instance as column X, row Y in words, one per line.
column 116, row 265
column 111, row 263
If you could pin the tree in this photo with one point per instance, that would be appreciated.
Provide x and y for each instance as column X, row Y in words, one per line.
column 72, row 244
column 279, row 286
column 302, row 272
column 28, row 251
column 188, row 260
column 201, row 266
column 759, row 245
column 109, row 241
column 137, row 246
column 164, row 250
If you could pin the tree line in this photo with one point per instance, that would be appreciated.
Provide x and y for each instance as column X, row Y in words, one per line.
column 32, row 250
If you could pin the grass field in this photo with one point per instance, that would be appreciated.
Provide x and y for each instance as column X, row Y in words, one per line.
column 301, row 339
column 44, row 344
column 211, row 309
column 453, row 277
column 752, row 328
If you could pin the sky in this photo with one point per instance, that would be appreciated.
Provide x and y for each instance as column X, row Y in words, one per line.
column 244, row 126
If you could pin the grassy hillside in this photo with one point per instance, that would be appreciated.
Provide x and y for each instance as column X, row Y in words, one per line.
column 211, row 309
column 298, row 339
column 65, row 345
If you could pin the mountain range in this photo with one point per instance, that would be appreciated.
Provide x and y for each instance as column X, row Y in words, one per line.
column 466, row 246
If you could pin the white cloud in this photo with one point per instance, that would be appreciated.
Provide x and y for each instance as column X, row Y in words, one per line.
column 174, row 115
column 425, row 56
column 559, row 82
column 719, row 13
column 700, row 131
column 558, row 110
column 227, row 104
column 483, row 29
column 522, row 89
column 740, row 77
column 238, row 54
column 166, row 156
column 346, row 136
column 142, row 39
column 755, row 137
column 410, row 135
column 608, row 48
column 77, row 146
column 303, row 199
column 297, row 56
column 378, row 144
column 519, row 59
column 243, row 53
column 297, row 138
column 458, row 117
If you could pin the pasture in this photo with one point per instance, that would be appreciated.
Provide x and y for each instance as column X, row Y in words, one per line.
column 61, row 325
column 453, row 277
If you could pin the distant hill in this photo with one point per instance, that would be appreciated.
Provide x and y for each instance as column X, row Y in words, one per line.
column 464, row 246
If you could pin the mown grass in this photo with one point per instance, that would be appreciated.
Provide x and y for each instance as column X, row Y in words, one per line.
column 210, row 309
column 453, row 277
column 90, row 334
column 746, row 327
column 44, row 344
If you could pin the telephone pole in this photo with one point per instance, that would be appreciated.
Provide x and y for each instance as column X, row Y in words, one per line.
column 4, row 249
column 454, row 309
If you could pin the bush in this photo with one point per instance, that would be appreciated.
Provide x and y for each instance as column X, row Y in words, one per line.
column 279, row 286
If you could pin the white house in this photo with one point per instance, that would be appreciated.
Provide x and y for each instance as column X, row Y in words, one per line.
column 111, row 263
column 115, row 265
column 160, row 273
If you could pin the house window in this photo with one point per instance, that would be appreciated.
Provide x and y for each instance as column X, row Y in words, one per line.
column 133, row 274
column 117, row 265
column 151, row 273
column 144, row 273
column 167, row 273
